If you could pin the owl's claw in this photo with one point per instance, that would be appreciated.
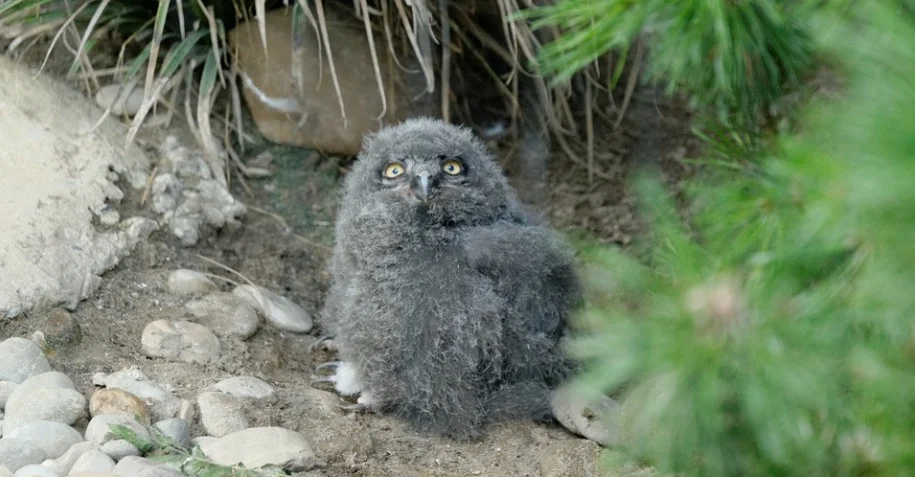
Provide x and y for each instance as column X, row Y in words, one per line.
column 328, row 365
column 364, row 403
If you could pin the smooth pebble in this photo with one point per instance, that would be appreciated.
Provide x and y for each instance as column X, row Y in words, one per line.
column 596, row 419
column 139, row 467
column 189, row 282
column 259, row 446
column 121, row 101
column 225, row 314
column 221, row 414
column 18, row 453
column 54, row 438
column 179, row 340
column 162, row 404
column 6, row 390
column 176, row 429
column 279, row 311
column 21, row 358
column 62, row 464
column 93, row 461
column 247, row 387
column 35, row 470
column 118, row 449
column 49, row 380
column 4, row 472
column 117, row 401
column 99, row 429
column 45, row 404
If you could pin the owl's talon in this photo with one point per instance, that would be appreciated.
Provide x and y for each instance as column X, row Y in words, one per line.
column 328, row 365
column 357, row 407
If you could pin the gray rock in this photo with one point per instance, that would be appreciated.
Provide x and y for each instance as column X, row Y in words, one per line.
column 279, row 311
column 190, row 283
column 225, row 314
column 176, row 429
column 93, row 461
column 179, row 340
column 596, row 419
column 93, row 474
column 99, row 429
column 64, row 463
column 54, row 438
column 247, row 387
column 221, row 414
column 35, row 470
column 139, row 467
column 203, row 440
column 126, row 101
column 50, row 380
column 21, row 358
column 163, row 404
column 18, row 453
column 45, row 404
column 118, row 449
column 260, row 446
column 6, row 389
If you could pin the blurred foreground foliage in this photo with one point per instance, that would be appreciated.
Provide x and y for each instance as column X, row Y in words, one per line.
column 771, row 333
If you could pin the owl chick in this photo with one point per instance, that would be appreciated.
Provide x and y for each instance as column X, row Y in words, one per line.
column 447, row 304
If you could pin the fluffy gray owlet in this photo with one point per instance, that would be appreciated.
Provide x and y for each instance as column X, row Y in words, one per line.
column 447, row 304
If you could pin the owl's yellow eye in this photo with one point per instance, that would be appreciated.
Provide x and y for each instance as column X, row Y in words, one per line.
column 394, row 169
column 452, row 167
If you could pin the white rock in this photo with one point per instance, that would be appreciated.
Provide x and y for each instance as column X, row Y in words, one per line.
column 21, row 358
column 162, row 404
column 118, row 449
column 261, row 446
column 35, row 470
column 247, row 387
column 122, row 101
column 18, row 453
column 177, row 429
column 54, row 438
column 203, row 440
column 279, row 311
column 179, row 340
column 597, row 420
column 93, row 474
column 45, row 404
column 190, row 282
column 225, row 314
column 99, row 429
column 62, row 464
column 139, row 467
column 93, row 461
column 4, row 472
column 50, row 380
column 6, row 390
column 221, row 414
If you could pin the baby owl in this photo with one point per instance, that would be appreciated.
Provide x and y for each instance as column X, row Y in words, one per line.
column 447, row 302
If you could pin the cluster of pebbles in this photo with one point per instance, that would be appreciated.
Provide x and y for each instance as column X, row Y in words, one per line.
column 48, row 428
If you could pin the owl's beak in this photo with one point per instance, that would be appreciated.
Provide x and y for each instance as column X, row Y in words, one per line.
column 422, row 185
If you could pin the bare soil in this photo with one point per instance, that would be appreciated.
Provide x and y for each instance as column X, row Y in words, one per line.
column 284, row 244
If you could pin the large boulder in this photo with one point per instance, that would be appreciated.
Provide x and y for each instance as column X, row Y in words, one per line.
column 310, row 116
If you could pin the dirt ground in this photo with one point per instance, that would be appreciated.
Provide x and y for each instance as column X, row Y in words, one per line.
column 284, row 244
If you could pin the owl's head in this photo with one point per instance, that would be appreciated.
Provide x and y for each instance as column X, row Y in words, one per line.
column 439, row 168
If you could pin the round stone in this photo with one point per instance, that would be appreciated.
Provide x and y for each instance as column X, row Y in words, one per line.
column 180, row 340
column 45, row 404
column 190, row 283
column 279, row 311
column 21, row 358
column 221, row 414
column 49, row 380
column 118, row 401
column 260, row 446
column 225, row 314
column 247, row 387
column 93, row 461
column 118, row 449
column 54, row 438
column 99, row 429
column 18, row 453
column 35, row 470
